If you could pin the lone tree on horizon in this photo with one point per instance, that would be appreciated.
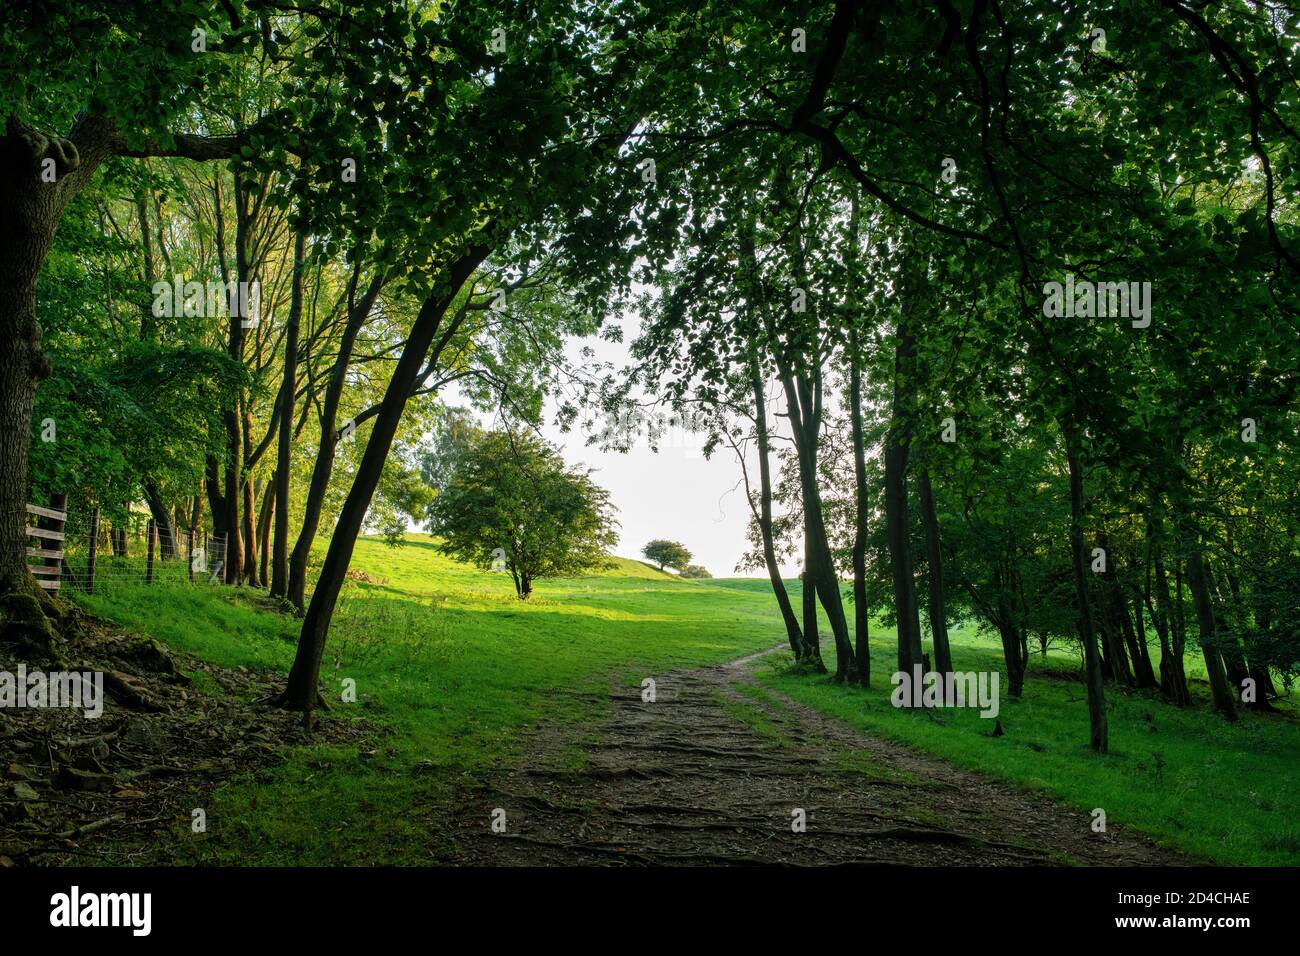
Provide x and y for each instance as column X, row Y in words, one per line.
column 512, row 504
column 667, row 554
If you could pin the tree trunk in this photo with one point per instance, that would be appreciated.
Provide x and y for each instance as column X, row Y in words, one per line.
column 1173, row 677
column 118, row 537
column 1015, row 648
column 288, row 389
column 162, row 519
column 301, row 690
column 805, row 422
column 1234, row 655
column 1114, row 628
column 799, row 364
column 811, row 638
column 1254, row 671
column 1264, row 688
column 227, row 528
column 861, row 613
column 250, row 504
column 765, row 512
column 1136, row 635
column 196, row 510
column 1092, row 664
column 213, row 483
column 897, row 531
column 324, row 466
column 811, row 634
column 264, row 527
column 1219, row 688
column 1013, row 653
column 234, row 546
column 934, row 562
column 1111, row 633
column 30, row 211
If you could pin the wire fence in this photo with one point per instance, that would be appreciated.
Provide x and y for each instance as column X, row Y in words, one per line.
column 99, row 555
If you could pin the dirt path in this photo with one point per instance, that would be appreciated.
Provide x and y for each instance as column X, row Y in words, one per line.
column 712, row 774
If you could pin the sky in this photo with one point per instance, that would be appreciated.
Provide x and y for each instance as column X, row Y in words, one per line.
column 674, row 493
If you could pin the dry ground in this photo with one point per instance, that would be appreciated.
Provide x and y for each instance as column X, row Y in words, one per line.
column 708, row 774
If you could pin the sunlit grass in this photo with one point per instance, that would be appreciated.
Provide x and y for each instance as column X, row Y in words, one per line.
column 460, row 671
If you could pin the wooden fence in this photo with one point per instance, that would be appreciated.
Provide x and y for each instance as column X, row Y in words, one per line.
column 63, row 553
column 49, row 540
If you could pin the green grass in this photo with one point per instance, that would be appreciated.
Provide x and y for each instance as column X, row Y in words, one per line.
column 459, row 671
column 448, row 659
column 1220, row 791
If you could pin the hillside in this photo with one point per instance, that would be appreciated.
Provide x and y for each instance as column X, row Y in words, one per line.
column 459, row 675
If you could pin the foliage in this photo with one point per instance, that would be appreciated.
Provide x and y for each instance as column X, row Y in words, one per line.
column 667, row 554
column 513, row 504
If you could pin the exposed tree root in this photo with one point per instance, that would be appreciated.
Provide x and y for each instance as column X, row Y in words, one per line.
column 283, row 702
column 689, row 780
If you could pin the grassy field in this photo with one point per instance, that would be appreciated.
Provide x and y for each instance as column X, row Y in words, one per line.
column 1219, row 791
column 447, row 658
column 459, row 671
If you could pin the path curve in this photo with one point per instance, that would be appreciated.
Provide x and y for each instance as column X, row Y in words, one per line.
column 718, row 770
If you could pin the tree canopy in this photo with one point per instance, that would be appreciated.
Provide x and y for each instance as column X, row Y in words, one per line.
column 511, row 504
column 667, row 554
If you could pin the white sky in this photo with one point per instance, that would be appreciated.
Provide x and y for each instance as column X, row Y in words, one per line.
column 674, row 493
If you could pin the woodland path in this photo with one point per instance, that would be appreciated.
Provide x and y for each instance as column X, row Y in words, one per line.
column 709, row 774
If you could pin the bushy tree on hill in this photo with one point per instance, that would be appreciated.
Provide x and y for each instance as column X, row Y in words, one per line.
column 667, row 554
column 512, row 504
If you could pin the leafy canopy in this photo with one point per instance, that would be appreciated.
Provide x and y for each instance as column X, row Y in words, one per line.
column 511, row 503
column 667, row 554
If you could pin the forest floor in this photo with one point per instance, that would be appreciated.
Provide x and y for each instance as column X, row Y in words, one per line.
column 719, row 770
column 117, row 786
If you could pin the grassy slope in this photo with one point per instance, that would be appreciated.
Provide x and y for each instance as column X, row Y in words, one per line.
column 454, row 664
column 458, row 669
column 1220, row 791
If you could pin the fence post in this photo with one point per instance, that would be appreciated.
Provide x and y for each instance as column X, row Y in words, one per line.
column 59, row 503
column 225, row 561
column 151, row 534
column 94, row 550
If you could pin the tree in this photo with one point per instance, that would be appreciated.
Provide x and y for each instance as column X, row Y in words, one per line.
column 512, row 504
column 491, row 183
column 696, row 571
column 667, row 554
column 111, row 74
